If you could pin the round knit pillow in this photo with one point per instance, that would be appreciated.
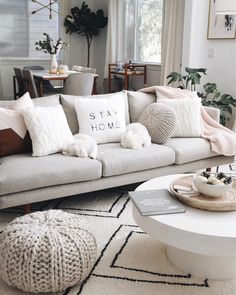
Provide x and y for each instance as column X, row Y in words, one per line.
column 46, row 252
column 160, row 121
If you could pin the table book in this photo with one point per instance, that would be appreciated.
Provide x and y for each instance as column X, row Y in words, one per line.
column 156, row 202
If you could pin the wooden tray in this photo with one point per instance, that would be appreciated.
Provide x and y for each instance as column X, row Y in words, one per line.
column 226, row 202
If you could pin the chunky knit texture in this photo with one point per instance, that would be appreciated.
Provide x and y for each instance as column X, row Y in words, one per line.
column 46, row 251
column 160, row 121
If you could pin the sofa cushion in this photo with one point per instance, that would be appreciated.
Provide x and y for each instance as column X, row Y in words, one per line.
column 117, row 160
column 190, row 149
column 137, row 102
column 23, row 172
column 47, row 101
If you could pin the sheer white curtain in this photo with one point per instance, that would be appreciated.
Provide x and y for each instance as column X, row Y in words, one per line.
column 66, row 54
column 114, row 45
column 172, row 38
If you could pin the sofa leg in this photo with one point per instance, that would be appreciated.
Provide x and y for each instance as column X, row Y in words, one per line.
column 27, row 208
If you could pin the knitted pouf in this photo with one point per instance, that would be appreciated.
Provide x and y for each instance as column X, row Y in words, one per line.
column 46, row 252
column 160, row 121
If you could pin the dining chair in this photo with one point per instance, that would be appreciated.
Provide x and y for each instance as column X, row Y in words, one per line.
column 79, row 84
column 18, row 84
column 46, row 84
column 29, row 83
column 83, row 69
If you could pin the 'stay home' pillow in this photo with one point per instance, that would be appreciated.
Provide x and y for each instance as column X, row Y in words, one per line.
column 14, row 138
column 103, row 118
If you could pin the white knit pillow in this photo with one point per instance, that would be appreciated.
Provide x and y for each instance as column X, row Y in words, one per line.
column 102, row 118
column 160, row 121
column 48, row 128
column 188, row 112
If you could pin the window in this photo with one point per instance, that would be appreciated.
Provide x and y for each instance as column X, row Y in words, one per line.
column 20, row 29
column 143, row 30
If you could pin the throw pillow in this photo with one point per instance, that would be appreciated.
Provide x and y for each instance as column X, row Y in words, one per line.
column 137, row 102
column 160, row 121
column 22, row 103
column 101, row 118
column 188, row 112
column 14, row 138
column 68, row 104
column 48, row 128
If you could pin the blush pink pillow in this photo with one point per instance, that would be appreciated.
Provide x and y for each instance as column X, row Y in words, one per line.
column 163, row 92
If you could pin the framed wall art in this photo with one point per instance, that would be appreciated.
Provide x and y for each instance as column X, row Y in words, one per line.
column 220, row 26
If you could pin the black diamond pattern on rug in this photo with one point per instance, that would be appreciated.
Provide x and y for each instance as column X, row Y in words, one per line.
column 104, row 204
column 119, row 260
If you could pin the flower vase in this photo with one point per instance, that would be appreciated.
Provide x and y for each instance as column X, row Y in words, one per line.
column 53, row 64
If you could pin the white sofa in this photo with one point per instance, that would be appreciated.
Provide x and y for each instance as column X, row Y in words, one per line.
column 25, row 179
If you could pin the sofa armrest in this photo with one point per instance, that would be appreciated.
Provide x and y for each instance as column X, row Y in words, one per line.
column 214, row 113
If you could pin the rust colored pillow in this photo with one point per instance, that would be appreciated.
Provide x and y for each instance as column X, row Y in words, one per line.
column 14, row 137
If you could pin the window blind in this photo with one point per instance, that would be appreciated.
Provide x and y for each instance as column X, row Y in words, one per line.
column 40, row 23
column 19, row 29
column 13, row 28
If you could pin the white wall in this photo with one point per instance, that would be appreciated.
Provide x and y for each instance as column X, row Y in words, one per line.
column 221, row 68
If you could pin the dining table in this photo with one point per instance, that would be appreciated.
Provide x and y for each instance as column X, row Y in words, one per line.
column 44, row 75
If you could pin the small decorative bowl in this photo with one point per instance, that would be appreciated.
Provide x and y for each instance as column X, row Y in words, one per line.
column 214, row 189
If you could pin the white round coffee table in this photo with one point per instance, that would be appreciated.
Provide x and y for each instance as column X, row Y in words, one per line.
column 199, row 242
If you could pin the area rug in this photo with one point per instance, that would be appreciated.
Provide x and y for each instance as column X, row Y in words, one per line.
column 129, row 262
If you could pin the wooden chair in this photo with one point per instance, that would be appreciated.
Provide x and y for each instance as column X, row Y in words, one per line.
column 18, row 84
column 47, row 86
column 29, row 83
column 83, row 69
column 79, row 84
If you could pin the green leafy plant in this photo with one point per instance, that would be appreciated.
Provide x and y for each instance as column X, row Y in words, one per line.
column 189, row 80
column 84, row 22
column 211, row 95
column 48, row 45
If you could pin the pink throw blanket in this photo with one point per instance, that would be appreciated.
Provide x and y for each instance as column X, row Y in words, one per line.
column 222, row 139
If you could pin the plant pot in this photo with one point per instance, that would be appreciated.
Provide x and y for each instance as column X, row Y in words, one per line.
column 53, row 64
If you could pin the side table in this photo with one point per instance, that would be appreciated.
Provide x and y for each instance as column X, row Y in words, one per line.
column 129, row 70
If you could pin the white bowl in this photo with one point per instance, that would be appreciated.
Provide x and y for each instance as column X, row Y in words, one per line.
column 213, row 190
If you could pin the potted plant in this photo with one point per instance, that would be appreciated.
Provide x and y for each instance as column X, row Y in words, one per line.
column 84, row 22
column 48, row 46
column 211, row 95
